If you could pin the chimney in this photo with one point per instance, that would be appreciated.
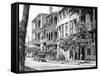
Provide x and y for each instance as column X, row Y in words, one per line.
column 50, row 9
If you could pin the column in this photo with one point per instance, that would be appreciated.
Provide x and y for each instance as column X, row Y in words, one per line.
column 94, row 37
column 94, row 43
column 85, row 52
column 92, row 51
column 64, row 29
column 41, row 46
column 58, row 33
column 80, row 53
column 49, row 35
column 77, row 52
column 58, row 50
column 41, row 21
column 53, row 38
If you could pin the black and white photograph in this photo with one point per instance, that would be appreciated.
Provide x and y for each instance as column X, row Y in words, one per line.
column 56, row 37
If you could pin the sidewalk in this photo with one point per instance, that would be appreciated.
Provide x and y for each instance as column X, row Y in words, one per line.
column 75, row 62
column 56, row 65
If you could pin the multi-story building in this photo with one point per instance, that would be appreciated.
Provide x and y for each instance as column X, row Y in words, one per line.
column 66, row 26
column 66, row 22
column 69, row 19
column 44, row 29
column 37, row 24
column 48, row 29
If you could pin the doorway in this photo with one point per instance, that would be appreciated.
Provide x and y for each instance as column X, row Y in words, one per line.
column 82, row 53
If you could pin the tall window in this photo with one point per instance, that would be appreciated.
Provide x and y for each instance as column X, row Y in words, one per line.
column 88, row 51
column 55, row 20
column 66, row 26
column 55, row 35
column 51, row 20
column 75, row 22
column 94, row 51
column 62, row 29
column 49, row 35
column 63, row 13
column 35, row 36
column 38, row 23
column 66, row 34
column 38, row 36
column 83, row 18
column 66, row 29
column 48, row 20
column 60, row 16
column 66, row 12
column 88, row 21
column 44, row 33
column 71, row 27
column 35, row 24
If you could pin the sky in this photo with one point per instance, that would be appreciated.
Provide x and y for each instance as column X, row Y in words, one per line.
column 33, row 12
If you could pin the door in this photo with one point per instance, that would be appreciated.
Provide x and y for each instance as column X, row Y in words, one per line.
column 82, row 53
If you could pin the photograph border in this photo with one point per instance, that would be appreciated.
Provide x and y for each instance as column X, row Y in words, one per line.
column 15, row 37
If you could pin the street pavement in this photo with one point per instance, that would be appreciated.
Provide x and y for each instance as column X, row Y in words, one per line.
column 56, row 65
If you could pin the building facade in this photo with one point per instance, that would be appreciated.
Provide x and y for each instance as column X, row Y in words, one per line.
column 37, row 24
column 68, row 21
column 66, row 26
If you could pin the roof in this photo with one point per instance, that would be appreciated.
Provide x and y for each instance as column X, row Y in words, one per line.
column 52, row 13
column 38, row 16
